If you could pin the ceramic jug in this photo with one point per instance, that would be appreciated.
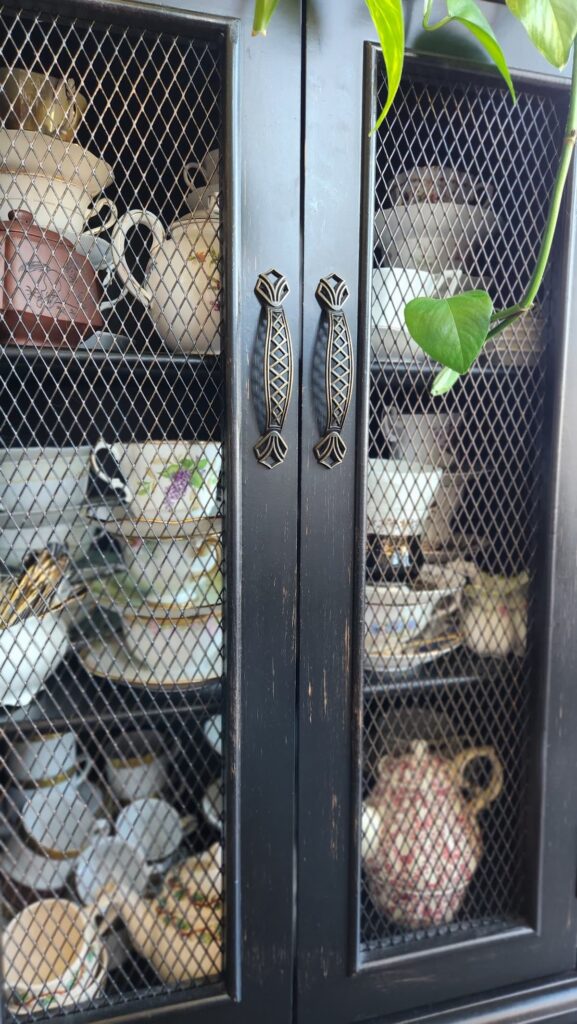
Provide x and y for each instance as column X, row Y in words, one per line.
column 180, row 931
column 422, row 841
column 182, row 286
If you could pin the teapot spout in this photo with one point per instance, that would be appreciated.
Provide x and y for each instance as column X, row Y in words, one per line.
column 372, row 820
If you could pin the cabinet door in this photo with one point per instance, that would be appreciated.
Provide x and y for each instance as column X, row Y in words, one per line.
column 434, row 586
column 155, row 705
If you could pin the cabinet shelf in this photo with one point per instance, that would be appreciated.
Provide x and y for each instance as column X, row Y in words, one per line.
column 447, row 672
column 74, row 698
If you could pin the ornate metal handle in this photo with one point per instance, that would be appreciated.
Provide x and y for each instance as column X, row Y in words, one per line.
column 271, row 290
column 332, row 293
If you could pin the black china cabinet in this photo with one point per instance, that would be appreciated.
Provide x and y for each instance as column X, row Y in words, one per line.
column 288, row 707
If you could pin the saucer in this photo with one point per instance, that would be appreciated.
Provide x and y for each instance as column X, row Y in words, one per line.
column 440, row 637
column 111, row 660
column 122, row 525
column 79, row 996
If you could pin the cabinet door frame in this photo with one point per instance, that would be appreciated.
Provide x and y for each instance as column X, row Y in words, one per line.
column 332, row 983
column 261, row 224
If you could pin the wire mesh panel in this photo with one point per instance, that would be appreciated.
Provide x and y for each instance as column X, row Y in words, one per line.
column 463, row 179
column 113, row 507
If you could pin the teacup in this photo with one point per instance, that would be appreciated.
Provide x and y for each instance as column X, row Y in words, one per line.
column 394, row 609
column 208, row 168
column 168, row 571
column 188, row 648
column 69, row 783
column 161, row 481
column 36, row 758
column 154, row 828
column 109, row 861
column 136, row 765
column 30, row 650
column 27, row 872
column 399, row 495
column 59, row 825
column 35, row 481
column 47, row 945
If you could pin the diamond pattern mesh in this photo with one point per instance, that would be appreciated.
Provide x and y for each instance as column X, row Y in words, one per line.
column 462, row 186
column 112, row 504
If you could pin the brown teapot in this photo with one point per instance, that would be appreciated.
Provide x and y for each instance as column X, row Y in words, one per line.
column 49, row 293
column 421, row 839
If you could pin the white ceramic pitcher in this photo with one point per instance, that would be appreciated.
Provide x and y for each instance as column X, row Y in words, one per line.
column 182, row 286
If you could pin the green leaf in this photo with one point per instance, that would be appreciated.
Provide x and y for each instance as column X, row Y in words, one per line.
column 468, row 14
column 452, row 330
column 263, row 12
column 444, row 381
column 144, row 488
column 389, row 22
column 170, row 471
column 551, row 25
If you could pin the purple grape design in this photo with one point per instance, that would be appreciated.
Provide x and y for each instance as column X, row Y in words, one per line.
column 177, row 486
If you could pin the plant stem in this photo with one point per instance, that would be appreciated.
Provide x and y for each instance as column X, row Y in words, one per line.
column 438, row 24
column 562, row 171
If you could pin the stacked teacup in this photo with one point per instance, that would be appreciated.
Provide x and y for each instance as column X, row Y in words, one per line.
column 169, row 597
column 423, row 240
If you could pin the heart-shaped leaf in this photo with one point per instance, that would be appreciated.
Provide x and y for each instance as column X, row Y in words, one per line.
column 389, row 22
column 551, row 25
column 451, row 330
column 468, row 14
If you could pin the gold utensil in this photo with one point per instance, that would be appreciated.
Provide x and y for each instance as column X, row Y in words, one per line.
column 37, row 102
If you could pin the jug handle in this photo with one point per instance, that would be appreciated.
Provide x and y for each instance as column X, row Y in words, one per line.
column 487, row 794
column 75, row 113
column 118, row 245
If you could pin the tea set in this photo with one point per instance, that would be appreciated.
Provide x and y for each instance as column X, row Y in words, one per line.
column 55, row 851
column 58, row 266
column 423, row 598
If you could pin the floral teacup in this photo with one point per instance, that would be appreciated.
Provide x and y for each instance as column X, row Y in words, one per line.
column 161, row 481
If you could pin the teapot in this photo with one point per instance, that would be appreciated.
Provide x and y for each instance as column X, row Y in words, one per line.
column 179, row 931
column 50, row 293
column 422, row 842
column 182, row 285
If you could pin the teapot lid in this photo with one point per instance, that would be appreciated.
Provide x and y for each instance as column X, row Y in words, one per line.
column 21, row 222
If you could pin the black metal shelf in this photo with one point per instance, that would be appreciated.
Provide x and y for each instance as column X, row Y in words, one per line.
column 71, row 697
column 447, row 672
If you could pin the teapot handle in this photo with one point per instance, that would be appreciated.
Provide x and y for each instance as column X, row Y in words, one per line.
column 486, row 795
column 118, row 246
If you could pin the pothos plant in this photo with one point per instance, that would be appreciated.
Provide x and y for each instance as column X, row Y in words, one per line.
column 454, row 330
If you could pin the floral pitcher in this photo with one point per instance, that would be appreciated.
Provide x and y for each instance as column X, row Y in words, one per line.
column 421, row 839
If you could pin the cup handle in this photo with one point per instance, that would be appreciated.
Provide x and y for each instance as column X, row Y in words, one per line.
column 75, row 113
column 115, row 482
column 95, row 208
column 188, row 178
column 189, row 824
column 118, row 248
column 103, row 912
column 101, row 828
column 85, row 765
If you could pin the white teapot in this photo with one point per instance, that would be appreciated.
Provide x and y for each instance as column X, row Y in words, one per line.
column 182, row 286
